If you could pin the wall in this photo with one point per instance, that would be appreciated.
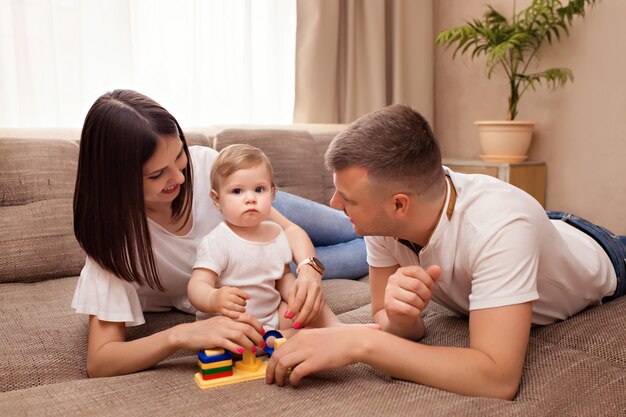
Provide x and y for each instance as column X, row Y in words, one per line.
column 581, row 129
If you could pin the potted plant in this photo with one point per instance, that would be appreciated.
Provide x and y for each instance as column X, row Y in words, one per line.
column 512, row 45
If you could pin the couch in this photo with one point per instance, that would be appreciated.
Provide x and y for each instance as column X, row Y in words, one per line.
column 573, row 368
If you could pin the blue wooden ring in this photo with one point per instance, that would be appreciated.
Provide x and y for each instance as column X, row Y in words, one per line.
column 266, row 336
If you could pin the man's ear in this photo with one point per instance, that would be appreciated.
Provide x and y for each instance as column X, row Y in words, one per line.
column 401, row 204
column 216, row 199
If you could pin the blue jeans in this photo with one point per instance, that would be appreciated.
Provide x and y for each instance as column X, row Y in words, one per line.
column 614, row 246
column 336, row 243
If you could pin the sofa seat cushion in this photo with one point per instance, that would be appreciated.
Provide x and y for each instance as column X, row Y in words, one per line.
column 43, row 341
column 344, row 295
column 598, row 330
column 551, row 385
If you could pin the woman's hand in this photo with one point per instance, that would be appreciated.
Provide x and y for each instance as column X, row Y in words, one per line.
column 306, row 297
column 220, row 331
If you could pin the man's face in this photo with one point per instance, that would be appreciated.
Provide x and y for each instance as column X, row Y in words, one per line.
column 356, row 195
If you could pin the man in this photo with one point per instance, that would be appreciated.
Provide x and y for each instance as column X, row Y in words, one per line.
column 474, row 244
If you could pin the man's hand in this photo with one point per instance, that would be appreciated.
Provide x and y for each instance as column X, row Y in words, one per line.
column 408, row 292
column 314, row 350
column 228, row 301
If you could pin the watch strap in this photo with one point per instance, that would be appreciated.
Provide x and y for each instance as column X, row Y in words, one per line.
column 313, row 262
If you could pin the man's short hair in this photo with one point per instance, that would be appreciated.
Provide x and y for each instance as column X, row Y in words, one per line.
column 396, row 146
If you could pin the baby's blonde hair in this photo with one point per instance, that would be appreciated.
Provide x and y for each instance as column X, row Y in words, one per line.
column 235, row 157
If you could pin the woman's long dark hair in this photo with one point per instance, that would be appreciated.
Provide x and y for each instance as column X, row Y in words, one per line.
column 120, row 133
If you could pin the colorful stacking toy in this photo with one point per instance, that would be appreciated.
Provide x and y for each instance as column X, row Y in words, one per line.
column 216, row 365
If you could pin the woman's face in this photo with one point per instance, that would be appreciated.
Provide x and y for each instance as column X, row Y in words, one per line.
column 162, row 173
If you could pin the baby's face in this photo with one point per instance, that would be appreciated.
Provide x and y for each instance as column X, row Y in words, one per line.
column 245, row 197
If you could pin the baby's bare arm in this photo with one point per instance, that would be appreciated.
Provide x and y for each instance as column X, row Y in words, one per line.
column 228, row 301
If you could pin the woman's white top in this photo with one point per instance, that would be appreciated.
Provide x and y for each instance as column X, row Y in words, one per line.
column 109, row 298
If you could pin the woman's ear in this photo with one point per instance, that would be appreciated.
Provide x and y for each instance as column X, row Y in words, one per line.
column 216, row 199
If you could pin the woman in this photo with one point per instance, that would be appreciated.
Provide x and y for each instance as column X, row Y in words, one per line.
column 141, row 206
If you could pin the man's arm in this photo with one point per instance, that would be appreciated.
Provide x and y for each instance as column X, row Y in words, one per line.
column 491, row 366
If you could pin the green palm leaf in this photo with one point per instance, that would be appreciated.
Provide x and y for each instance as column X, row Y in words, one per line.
column 513, row 44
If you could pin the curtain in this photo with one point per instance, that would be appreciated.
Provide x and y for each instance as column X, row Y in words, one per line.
column 206, row 61
column 356, row 56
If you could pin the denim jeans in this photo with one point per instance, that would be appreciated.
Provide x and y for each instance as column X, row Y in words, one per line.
column 336, row 243
column 614, row 246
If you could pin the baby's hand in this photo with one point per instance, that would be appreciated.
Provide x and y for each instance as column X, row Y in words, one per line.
column 229, row 301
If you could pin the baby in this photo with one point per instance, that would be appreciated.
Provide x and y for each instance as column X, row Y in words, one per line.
column 243, row 264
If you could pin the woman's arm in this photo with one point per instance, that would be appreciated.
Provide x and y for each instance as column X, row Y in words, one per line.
column 109, row 353
column 301, row 245
column 307, row 291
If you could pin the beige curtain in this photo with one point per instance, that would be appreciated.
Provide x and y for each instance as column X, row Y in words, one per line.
column 356, row 56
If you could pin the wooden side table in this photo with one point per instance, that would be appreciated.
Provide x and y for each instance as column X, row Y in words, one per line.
column 529, row 176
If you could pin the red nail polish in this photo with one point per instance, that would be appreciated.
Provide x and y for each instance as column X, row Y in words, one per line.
column 263, row 345
column 262, row 332
column 297, row 325
column 291, row 315
column 240, row 350
column 253, row 349
column 287, row 313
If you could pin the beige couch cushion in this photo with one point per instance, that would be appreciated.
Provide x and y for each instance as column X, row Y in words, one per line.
column 37, row 183
column 48, row 340
column 322, row 140
column 556, row 381
column 36, row 170
column 196, row 138
column 295, row 160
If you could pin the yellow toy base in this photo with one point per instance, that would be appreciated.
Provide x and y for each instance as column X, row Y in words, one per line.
column 237, row 376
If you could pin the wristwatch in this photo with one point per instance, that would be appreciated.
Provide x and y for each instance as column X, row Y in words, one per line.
column 314, row 263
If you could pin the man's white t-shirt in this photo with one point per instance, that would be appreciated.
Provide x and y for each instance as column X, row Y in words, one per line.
column 499, row 248
column 101, row 293
column 251, row 266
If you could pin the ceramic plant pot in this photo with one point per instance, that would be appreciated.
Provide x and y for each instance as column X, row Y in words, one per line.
column 505, row 141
